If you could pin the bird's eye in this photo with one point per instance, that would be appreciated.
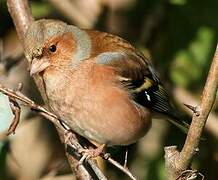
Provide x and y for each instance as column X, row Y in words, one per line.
column 52, row 48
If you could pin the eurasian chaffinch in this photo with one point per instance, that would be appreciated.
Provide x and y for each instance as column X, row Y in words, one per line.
column 97, row 83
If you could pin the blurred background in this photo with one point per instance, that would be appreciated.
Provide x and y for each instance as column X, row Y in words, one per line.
column 179, row 36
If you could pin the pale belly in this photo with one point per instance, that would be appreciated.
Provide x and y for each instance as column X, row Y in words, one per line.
column 107, row 118
column 100, row 111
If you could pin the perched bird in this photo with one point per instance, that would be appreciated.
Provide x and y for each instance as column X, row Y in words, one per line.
column 97, row 83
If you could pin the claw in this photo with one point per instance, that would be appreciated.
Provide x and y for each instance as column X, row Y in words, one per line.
column 68, row 137
column 90, row 153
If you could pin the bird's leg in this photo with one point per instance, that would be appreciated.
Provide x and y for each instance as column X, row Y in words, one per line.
column 86, row 153
column 70, row 139
column 91, row 153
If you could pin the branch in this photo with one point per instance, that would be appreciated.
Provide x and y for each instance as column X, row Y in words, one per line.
column 21, row 15
column 176, row 162
column 198, row 122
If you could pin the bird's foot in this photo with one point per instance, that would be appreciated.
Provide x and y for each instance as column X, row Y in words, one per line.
column 68, row 136
column 91, row 153
column 86, row 153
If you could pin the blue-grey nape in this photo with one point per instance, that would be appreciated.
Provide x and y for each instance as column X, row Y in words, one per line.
column 108, row 57
column 83, row 42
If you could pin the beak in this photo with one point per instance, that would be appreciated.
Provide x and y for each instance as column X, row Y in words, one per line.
column 38, row 65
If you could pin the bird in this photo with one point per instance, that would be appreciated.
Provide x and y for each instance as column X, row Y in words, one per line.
column 97, row 83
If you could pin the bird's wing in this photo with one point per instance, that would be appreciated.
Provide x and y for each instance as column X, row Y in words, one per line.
column 137, row 74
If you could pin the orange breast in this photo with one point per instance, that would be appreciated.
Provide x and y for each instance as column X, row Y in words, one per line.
column 98, row 108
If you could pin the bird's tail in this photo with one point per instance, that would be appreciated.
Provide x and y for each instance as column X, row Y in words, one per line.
column 178, row 122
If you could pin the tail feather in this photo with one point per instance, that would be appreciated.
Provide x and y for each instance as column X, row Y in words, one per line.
column 183, row 126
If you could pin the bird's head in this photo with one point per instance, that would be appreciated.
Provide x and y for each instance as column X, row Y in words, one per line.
column 52, row 43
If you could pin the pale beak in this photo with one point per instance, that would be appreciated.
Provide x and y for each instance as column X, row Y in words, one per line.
column 38, row 65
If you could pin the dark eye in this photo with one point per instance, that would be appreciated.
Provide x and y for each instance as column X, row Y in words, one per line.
column 52, row 48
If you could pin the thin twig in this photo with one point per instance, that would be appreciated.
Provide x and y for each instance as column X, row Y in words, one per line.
column 192, row 108
column 16, row 111
column 120, row 167
column 126, row 158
